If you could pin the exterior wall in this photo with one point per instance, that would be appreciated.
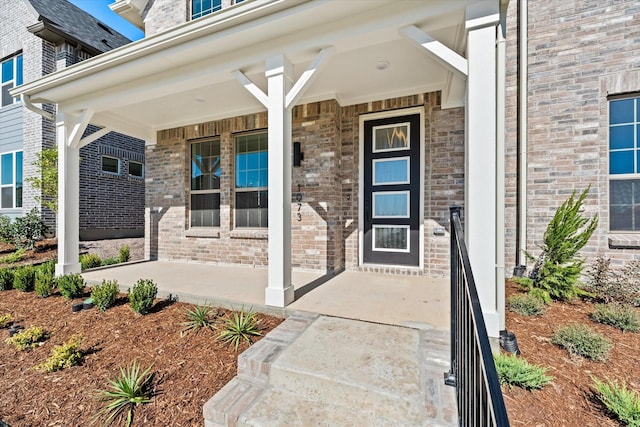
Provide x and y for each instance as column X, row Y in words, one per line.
column 579, row 52
column 164, row 14
column 325, row 235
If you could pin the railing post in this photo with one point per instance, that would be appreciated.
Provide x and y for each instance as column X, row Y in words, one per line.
column 450, row 377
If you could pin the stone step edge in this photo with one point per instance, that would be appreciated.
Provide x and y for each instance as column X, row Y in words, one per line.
column 254, row 364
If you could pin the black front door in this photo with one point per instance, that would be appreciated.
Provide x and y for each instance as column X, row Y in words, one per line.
column 392, row 191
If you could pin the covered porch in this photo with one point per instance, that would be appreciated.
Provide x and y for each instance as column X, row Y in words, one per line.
column 254, row 66
column 411, row 301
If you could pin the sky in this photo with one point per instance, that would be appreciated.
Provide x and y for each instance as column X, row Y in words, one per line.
column 100, row 9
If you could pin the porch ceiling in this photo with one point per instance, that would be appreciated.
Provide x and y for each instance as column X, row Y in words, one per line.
column 184, row 75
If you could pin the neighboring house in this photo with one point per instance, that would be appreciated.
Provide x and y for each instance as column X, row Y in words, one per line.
column 37, row 38
column 401, row 109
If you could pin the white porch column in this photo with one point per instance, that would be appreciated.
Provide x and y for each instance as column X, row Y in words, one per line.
column 480, row 159
column 279, row 291
column 68, row 232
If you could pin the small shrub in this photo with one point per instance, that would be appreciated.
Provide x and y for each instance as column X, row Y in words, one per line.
column 5, row 319
column 242, row 326
column 142, row 295
column 198, row 318
column 126, row 391
column 581, row 340
column 109, row 261
column 63, row 356
column 614, row 285
column 28, row 229
column 45, row 280
column 89, row 261
column 13, row 257
column 619, row 400
column 6, row 279
column 124, row 253
column 621, row 316
column 28, row 338
column 104, row 295
column 526, row 305
column 71, row 285
column 6, row 229
column 515, row 371
column 24, row 278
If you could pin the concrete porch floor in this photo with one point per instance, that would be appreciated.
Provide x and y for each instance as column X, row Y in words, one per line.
column 412, row 301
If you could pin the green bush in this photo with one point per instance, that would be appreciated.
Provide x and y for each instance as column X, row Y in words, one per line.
column 89, row 261
column 109, row 261
column 28, row 229
column 63, row 356
column 527, row 305
column 619, row 400
column 621, row 316
column 24, row 278
column 241, row 327
column 5, row 320
column 614, row 285
column 515, row 371
column 45, row 282
column 71, row 285
column 6, row 229
column 558, row 268
column 581, row 340
column 28, row 338
column 105, row 294
column 142, row 295
column 198, row 318
column 124, row 254
column 13, row 257
column 6, row 278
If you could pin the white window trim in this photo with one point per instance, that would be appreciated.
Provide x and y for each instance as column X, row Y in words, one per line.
column 129, row 169
column 209, row 191
column 378, row 226
column 245, row 189
column 392, row 159
column 386, row 150
column 13, row 81
column 108, row 172
column 14, row 178
column 373, row 203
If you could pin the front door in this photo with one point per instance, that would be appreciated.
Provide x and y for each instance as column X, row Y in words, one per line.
column 392, row 191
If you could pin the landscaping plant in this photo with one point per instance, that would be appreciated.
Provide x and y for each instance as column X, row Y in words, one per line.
column 242, row 326
column 46, row 178
column 24, row 278
column 6, row 233
column 198, row 318
column 6, row 278
column 619, row 400
column 623, row 317
column 45, row 280
column 581, row 340
column 515, row 371
column 558, row 267
column 126, row 391
column 142, row 295
column 71, row 285
column 527, row 305
column 28, row 229
column 124, row 253
column 89, row 261
column 614, row 285
column 63, row 356
column 13, row 257
column 5, row 319
column 105, row 294
column 109, row 261
column 28, row 338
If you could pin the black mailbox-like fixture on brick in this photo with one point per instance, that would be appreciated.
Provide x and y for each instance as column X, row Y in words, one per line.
column 298, row 155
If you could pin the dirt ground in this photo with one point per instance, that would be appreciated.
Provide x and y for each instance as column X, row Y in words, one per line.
column 569, row 400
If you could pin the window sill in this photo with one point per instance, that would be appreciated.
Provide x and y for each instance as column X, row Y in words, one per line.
column 252, row 233
column 624, row 241
column 213, row 233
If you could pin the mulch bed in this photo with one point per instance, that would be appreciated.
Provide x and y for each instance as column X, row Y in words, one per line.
column 569, row 400
column 188, row 370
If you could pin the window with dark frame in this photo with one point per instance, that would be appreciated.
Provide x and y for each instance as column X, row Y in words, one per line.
column 624, row 164
column 110, row 165
column 11, row 75
column 205, row 184
column 251, row 181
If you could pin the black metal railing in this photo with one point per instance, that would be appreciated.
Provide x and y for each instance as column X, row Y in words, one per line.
column 473, row 372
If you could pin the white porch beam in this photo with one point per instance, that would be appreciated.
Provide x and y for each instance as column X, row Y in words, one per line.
column 480, row 157
column 436, row 50
column 90, row 138
column 78, row 126
column 251, row 87
column 310, row 74
column 279, row 291
column 68, row 232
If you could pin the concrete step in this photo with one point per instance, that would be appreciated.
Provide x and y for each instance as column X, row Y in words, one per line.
column 340, row 362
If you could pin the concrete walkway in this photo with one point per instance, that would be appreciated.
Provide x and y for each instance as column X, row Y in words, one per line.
column 323, row 371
